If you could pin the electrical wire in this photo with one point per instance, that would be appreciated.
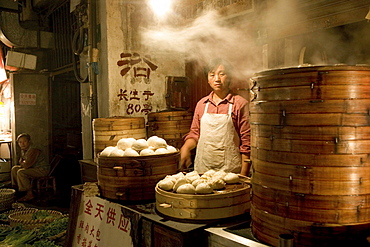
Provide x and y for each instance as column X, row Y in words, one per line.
column 77, row 48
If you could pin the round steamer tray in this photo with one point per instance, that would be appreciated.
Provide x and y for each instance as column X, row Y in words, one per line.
column 232, row 201
column 24, row 217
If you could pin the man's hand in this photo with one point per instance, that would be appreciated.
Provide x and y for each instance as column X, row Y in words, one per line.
column 185, row 154
column 185, row 159
column 246, row 165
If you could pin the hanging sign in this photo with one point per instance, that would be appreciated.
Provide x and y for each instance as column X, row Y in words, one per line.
column 101, row 223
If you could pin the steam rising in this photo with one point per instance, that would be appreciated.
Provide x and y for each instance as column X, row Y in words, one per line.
column 212, row 35
column 207, row 37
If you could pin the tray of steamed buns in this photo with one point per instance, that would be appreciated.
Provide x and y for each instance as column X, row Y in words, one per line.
column 210, row 182
column 131, row 147
column 208, row 196
column 130, row 170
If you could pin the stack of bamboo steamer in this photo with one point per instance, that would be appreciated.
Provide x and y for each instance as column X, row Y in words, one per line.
column 310, row 148
column 170, row 125
column 108, row 131
column 128, row 178
column 134, row 178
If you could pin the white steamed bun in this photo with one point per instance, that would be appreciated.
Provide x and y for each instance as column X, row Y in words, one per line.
column 217, row 184
column 106, row 151
column 159, row 143
column 161, row 151
column 179, row 182
column 232, row 178
column 130, row 152
column 186, row 189
column 124, row 143
column 166, row 184
column 178, row 175
column 146, row 151
column 198, row 181
column 171, row 178
column 151, row 140
column 191, row 176
column 203, row 188
column 171, row 149
column 116, row 152
column 140, row 144
column 219, row 175
column 209, row 173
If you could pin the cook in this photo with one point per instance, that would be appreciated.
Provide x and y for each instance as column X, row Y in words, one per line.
column 220, row 130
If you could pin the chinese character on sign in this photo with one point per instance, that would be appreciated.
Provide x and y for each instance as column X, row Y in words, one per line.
column 141, row 66
column 146, row 108
column 135, row 95
column 122, row 95
column 123, row 223
column 111, row 216
column 101, row 224
column 147, row 94
column 88, row 207
column 99, row 210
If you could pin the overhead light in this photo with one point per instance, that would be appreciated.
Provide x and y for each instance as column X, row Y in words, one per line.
column 160, row 7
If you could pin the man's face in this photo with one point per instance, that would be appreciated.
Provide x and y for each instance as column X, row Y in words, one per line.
column 23, row 143
column 218, row 79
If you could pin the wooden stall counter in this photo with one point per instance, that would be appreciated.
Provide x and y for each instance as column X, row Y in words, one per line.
column 102, row 222
column 88, row 171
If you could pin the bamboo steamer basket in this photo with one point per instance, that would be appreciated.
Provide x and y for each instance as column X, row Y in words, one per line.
column 24, row 218
column 133, row 179
column 108, row 131
column 7, row 197
column 5, row 215
column 266, row 225
column 170, row 125
column 234, row 200
column 309, row 150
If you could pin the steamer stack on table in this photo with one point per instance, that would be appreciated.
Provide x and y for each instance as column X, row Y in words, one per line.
column 108, row 131
column 170, row 125
column 310, row 154
column 135, row 178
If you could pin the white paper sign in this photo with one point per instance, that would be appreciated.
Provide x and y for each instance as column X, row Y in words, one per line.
column 100, row 224
column 27, row 99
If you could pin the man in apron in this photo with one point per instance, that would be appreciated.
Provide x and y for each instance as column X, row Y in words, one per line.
column 220, row 128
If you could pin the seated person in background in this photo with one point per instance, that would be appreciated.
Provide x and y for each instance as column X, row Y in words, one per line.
column 32, row 164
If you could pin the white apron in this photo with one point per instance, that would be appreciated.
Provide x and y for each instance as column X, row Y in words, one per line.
column 218, row 144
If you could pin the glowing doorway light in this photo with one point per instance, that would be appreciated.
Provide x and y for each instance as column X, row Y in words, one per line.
column 160, row 7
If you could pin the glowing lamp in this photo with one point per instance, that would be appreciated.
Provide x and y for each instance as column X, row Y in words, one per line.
column 160, row 7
